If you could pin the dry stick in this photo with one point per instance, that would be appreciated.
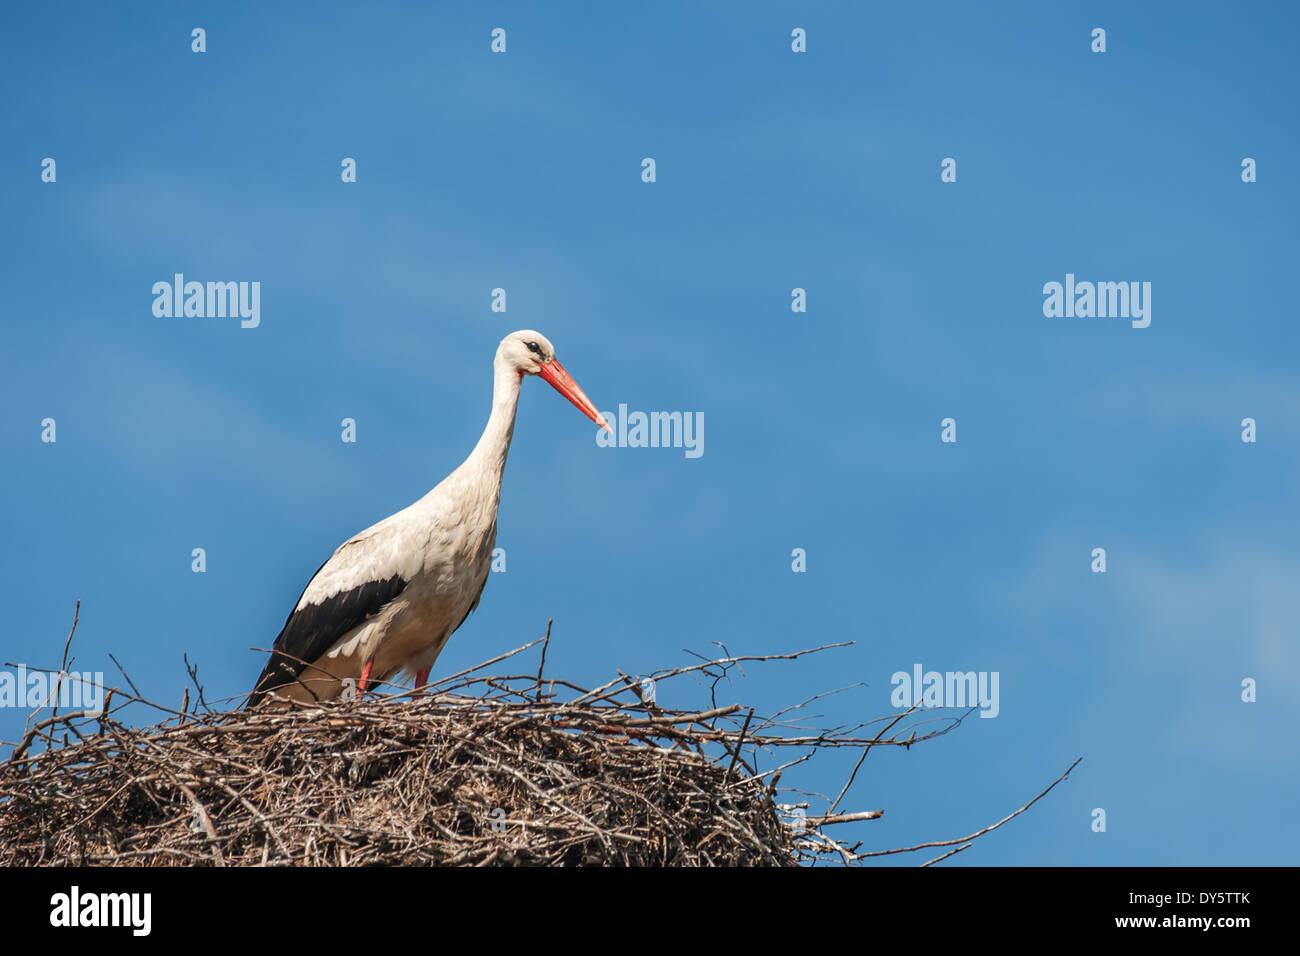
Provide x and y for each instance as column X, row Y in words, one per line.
column 122, row 671
column 104, row 687
column 479, row 667
column 678, row 671
column 108, row 707
column 202, row 811
column 59, row 675
column 259, row 816
column 681, row 718
column 545, row 644
column 31, row 734
column 866, row 750
column 76, row 616
column 815, row 697
column 828, row 740
column 109, row 799
column 129, row 698
column 831, row 818
column 193, row 671
column 722, row 674
column 977, row 833
column 965, row 846
column 782, row 768
column 739, row 743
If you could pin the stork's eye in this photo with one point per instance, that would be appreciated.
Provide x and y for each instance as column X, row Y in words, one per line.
column 534, row 348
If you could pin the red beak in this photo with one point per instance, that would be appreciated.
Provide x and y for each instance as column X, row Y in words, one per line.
column 563, row 383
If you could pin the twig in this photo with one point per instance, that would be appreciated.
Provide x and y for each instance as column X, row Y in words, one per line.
column 977, row 833
column 542, row 664
column 953, row 852
column 63, row 667
column 127, row 676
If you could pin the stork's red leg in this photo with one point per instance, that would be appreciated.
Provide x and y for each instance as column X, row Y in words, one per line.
column 421, row 678
column 365, row 678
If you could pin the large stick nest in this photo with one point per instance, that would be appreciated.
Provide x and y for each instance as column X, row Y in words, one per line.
column 440, row 781
column 484, row 770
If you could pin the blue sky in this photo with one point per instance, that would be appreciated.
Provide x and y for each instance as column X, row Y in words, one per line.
column 775, row 170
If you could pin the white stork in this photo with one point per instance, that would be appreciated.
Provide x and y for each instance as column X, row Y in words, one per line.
column 388, row 599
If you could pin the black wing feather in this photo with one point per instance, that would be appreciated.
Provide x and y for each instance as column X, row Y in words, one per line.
column 311, row 631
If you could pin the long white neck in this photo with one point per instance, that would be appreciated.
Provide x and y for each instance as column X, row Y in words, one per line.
column 488, row 459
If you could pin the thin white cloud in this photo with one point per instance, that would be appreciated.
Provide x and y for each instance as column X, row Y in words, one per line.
column 162, row 418
column 1219, row 402
column 1189, row 626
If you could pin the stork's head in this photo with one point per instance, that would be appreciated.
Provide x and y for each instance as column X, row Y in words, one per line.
column 531, row 353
